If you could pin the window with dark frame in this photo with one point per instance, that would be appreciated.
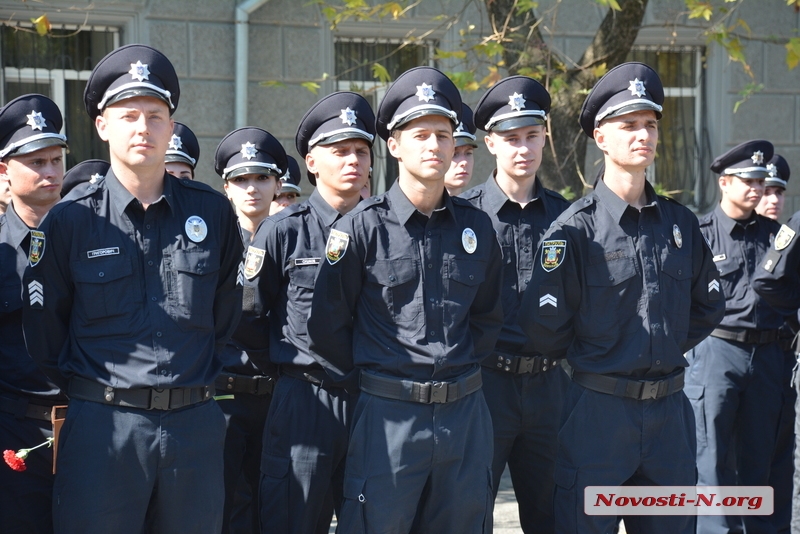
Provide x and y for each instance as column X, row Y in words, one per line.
column 57, row 65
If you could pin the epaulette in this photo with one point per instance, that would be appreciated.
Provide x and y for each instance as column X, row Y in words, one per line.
column 461, row 201
column 83, row 190
column 705, row 220
column 554, row 194
column 289, row 211
column 374, row 200
column 198, row 185
column 577, row 206
column 469, row 194
column 664, row 197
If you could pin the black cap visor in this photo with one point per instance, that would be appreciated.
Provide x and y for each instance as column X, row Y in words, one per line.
column 134, row 92
column 518, row 122
column 38, row 144
column 251, row 169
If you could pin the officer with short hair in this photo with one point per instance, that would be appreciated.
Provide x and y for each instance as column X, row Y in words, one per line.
column 88, row 172
column 250, row 161
column 290, row 188
column 407, row 300
column 32, row 165
column 734, row 378
column 128, row 310
column 782, row 470
column 523, row 387
column 459, row 174
column 623, row 285
column 183, row 152
column 306, row 436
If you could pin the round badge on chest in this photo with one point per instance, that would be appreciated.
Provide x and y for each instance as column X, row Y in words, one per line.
column 196, row 228
column 469, row 240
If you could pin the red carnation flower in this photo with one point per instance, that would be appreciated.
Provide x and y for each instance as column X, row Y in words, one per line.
column 14, row 462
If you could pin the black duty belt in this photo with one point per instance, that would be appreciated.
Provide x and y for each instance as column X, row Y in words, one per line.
column 254, row 385
column 310, row 374
column 519, row 365
column 746, row 335
column 143, row 398
column 21, row 408
column 422, row 392
column 629, row 387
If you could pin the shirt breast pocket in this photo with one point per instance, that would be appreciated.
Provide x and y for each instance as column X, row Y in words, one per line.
column 196, row 277
column 607, row 289
column 10, row 298
column 105, row 287
column 396, row 281
column 730, row 274
column 676, row 290
column 299, row 295
column 464, row 278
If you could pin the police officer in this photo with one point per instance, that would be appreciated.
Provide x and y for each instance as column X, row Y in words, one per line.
column 734, row 377
column 87, row 172
column 459, row 174
column 782, row 469
column 307, row 431
column 32, row 165
column 128, row 310
column 183, row 152
column 524, row 389
column 407, row 300
column 290, row 188
column 250, row 161
column 623, row 285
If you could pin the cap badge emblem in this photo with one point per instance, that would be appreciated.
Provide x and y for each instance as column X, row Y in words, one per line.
column 772, row 170
column 348, row 116
column 175, row 142
column 460, row 127
column 469, row 240
column 196, row 228
column 636, row 87
column 36, row 121
column 516, row 101
column 248, row 150
column 425, row 92
column 139, row 71
column 757, row 157
column 93, row 179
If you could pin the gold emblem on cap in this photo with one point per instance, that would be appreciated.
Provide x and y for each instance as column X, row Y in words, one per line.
column 139, row 71
column 676, row 234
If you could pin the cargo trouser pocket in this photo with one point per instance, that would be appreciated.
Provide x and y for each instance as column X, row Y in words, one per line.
column 696, row 395
column 566, row 498
column 354, row 511
column 274, row 493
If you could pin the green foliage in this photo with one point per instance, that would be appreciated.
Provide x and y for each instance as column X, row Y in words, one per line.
column 749, row 90
column 380, row 73
column 613, row 4
column 568, row 193
column 793, row 51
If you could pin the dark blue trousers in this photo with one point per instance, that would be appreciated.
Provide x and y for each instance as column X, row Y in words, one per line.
column 26, row 497
column 245, row 416
column 614, row 441
column 526, row 417
column 302, row 465
column 128, row 471
column 737, row 395
column 781, row 476
column 425, row 467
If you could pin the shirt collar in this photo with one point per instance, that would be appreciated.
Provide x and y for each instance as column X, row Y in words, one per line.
column 496, row 198
column 615, row 205
column 17, row 229
column 404, row 209
column 325, row 210
column 121, row 197
column 727, row 223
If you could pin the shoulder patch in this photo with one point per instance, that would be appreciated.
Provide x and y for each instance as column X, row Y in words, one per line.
column 253, row 261
column 784, row 237
column 553, row 252
column 336, row 246
column 36, row 248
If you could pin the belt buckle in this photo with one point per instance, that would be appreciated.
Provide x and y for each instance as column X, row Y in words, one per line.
column 526, row 364
column 438, row 392
column 159, row 399
column 649, row 390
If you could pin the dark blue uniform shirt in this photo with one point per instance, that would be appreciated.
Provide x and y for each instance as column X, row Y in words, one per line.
column 738, row 247
column 248, row 348
column 294, row 241
column 777, row 278
column 519, row 231
column 624, row 292
column 19, row 374
column 129, row 299
column 406, row 298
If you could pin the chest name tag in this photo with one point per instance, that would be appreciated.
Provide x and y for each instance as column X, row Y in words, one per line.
column 302, row 262
column 101, row 252
column 720, row 257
